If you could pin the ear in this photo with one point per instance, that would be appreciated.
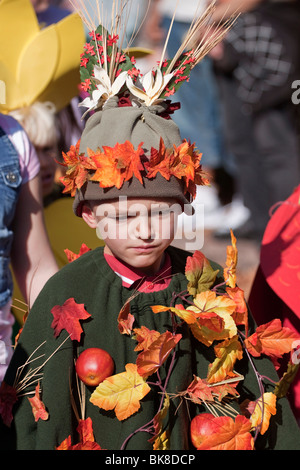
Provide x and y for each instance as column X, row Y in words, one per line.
column 88, row 216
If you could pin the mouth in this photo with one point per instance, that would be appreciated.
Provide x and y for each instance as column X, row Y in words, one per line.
column 144, row 248
column 47, row 179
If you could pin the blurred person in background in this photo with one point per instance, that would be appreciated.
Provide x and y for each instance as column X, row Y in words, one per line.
column 200, row 116
column 33, row 71
column 256, row 65
column 23, row 237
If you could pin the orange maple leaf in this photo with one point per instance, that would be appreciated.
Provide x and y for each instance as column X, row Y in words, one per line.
column 67, row 317
column 271, row 339
column 130, row 159
column 121, row 392
column 38, row 407
column 199, row 390
column 182, row 162
column 66, row 444
column 150, row 360
column 117, row 164
column 144, row 337
column 72, row 256
column 229, row 434
column 78, row 167
column 159, row 162
column 86, row 436
column 125, row 320
column 107, row 173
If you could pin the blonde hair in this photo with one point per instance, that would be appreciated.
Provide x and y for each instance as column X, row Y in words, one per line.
column 39, row 121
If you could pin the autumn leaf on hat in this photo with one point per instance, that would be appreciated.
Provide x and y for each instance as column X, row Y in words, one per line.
column 182, row 162
column 117, row 164
column 78, row 168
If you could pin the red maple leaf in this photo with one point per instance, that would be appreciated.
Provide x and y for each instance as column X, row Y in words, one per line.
column 72, row 256
column 67, row 316
column 271, row 339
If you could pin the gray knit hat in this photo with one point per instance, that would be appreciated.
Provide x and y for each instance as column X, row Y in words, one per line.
column 116, row 125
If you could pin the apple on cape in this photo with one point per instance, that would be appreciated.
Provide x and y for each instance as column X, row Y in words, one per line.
column 94, row 365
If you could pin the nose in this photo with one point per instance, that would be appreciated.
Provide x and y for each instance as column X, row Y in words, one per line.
column 144, row 229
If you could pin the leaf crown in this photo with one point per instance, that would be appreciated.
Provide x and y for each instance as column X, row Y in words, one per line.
column 112, row 166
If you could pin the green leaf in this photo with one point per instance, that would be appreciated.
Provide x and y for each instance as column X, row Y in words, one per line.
column 199, row 273
column 286, row 380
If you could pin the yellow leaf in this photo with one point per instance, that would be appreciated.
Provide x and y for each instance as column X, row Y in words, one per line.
column 206, row 304
column 267, row 407
column 227, row 352
column 162, row 442
column 158, row 423
column 209, row 301
column 231, row 263
column 121, row 392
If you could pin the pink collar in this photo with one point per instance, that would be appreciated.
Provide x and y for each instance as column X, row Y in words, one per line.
column 134, row 278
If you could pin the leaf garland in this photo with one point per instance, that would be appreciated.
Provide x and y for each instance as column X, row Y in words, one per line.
column 112, row 166
column 217, row 318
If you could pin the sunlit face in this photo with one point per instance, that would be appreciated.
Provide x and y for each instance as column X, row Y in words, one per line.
column 136, row 231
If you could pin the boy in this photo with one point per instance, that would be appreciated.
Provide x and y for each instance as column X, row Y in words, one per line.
column 130, row 175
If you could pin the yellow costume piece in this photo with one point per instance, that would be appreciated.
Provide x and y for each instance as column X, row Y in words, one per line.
column 38, row 64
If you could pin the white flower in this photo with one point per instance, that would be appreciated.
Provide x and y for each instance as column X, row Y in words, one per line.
column 104, row 89
column 153, row 84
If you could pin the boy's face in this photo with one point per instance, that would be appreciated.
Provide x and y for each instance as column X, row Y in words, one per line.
column 136, row 231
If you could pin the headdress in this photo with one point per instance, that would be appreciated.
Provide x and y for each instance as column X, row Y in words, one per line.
column 38, row 64
column 130, row 146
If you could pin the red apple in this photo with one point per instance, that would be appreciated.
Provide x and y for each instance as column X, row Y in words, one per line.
column 202, row 426
column 94, row 365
